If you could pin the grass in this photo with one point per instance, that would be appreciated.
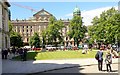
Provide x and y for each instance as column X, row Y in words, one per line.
column 63, row 55
column 30, row 56
column 57, row 55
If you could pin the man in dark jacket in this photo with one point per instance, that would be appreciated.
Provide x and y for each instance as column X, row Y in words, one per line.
column 24, row 54
column 5, row 53
column 100, row 59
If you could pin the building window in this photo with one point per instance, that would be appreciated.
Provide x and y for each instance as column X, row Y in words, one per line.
column 27, row 30
column 27, row 39
column 23, row 30
column 31, row 30
column 23, row 26
column 27, row 26
column 66, row 38
column 31, row 26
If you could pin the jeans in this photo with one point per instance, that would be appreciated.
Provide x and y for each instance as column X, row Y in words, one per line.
column 108, row 67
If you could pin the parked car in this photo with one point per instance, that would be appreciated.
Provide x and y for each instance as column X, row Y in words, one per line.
column 27, row 47
column 36, row 49
column 74, row 48
column 50, row 47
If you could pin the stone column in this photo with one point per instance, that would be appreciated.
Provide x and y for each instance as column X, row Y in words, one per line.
column 7, row 29
column 0, row 37
column 0, row 26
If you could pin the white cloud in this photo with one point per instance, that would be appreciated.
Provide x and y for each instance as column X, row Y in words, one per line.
column 69, row 15
column 90, row 14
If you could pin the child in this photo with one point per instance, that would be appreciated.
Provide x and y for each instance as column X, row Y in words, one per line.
column 108, row 61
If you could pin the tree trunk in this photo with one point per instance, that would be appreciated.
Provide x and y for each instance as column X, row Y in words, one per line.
column 77, row 43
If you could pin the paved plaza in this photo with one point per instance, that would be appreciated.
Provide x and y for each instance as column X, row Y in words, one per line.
column 56, row 66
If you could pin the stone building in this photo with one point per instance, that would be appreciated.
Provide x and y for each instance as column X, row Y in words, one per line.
column 38, row 23
column 4, row 30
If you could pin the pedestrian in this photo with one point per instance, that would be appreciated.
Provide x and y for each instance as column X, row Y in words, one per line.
column 5, row 53
column 114, row 54
column 24, row 54
column 9, row 53
column 13, row 51
column 21, row 53
column 85, row 47
column 108, row 60
column 90, row 47
column 99, row 58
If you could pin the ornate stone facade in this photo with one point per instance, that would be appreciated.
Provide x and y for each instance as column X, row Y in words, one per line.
column 4, row 30
column 38, row 23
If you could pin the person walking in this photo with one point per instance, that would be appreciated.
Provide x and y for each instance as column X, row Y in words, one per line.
column 21, row 53
column 13, row 51
column 3, row 53
column 9, row 53
column 24, row 54
column 108, row 60
column 6, row 53
column 100, row 59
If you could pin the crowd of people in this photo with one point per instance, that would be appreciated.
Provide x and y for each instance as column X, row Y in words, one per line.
column 10, row 53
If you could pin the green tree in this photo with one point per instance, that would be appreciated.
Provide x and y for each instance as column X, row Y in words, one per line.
column 106, row 28
column 35, row 40
column 43, row 38
column 53, row 32
column 77, row 30
column 10, row 27
column 11, row 32
column 16, row 40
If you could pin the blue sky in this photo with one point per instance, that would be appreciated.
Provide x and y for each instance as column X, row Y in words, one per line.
column 58, row 9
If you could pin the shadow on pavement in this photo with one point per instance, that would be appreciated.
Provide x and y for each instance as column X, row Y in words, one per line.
column 111, row 71
column 30, row 68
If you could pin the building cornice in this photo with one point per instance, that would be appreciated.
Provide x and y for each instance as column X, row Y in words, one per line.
column 5, row 2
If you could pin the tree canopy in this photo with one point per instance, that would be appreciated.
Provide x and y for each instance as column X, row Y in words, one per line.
column 77, row 30
column 53, row 33
column 35, row 40
column 15, row 38
column 106, row 27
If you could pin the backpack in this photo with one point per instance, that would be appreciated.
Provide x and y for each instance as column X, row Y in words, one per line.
column 97, row 56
